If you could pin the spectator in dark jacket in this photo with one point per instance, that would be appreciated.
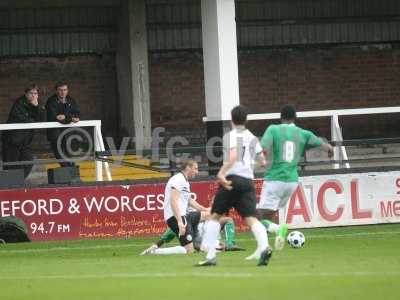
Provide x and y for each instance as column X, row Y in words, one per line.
column 61, row 108
column 17, row 143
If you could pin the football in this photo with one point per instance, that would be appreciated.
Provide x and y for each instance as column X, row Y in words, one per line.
column 296, row 239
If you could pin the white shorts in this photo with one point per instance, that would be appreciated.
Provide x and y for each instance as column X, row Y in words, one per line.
column 275, row 194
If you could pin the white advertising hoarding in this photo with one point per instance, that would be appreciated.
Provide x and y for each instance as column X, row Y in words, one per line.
column 345, row 199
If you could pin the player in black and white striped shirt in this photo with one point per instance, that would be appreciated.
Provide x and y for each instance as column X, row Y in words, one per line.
column 242, row 152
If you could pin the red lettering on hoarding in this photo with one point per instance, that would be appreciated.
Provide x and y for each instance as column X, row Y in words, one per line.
column 391, row 209
column 386, row 211
column 323, row 211
column 396, row 208
column 398, row 185
column 357, row 213
column 298, row 210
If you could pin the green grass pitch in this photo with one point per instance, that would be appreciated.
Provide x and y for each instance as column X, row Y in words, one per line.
column 361, row 262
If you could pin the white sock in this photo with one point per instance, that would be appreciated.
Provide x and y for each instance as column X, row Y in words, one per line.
column 210, row 238
column 273, row 228
column 170, row 250
column 261, row 236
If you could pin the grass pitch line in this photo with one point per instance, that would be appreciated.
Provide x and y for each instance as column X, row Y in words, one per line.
column 204, row 275
column 141, row 244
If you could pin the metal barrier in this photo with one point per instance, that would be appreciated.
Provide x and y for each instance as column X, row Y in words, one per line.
column 340, row 153
column 101, row 157
column 167, row 152
column 98, row 139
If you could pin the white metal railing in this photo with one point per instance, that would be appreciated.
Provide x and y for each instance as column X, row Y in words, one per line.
column 336, row 135
column 98, row 139
column 336, row 131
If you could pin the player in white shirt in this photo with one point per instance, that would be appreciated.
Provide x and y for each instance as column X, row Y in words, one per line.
column 199, row 221
column 242, row 152
column 176, row 201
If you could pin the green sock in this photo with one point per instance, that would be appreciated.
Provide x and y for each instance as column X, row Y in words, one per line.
column 270, row 226
column 266, row 223
column 166, row 237
column 229, row 234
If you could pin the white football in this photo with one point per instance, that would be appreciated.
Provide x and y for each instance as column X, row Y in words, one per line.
column 296, row 239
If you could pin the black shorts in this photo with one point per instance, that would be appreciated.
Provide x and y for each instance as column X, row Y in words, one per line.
column 242, row 197
column 191, row 221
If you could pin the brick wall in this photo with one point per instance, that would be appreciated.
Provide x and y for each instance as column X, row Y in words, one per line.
column 92, row 82
column 312, row 79
column 177, row 94
column 176, row 89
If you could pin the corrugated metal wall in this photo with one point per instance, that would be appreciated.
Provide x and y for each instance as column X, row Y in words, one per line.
column 176, row 24
column 173, row 25
column 291, row 22
column 66, row 30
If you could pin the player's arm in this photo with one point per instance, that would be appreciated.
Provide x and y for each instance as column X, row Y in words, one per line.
column 314, row 141
column 267, row 141
column 175, row 195
column 232, row 157
column 197, row 206
column 327, row 148
column 260, row 160
column 260, row 157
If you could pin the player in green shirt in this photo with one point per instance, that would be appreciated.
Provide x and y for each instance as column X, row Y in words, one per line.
column 285, row 144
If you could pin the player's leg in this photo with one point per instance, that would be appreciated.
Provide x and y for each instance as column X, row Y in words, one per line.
column 193, row 219
column 267, row 217
column 229, row 230
column 246, row 207
column 280, row 230
column 185, row 240
column 263, row 251
column 267, row 207
column 149, row 250
column 198, row 237
column 166, row 237
column 170, row 250
column 228, row 226
column 210, row 240
column 270, row 199
column 220, row 206
column 274, row 195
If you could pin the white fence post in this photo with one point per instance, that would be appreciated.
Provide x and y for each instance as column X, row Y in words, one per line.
column 98, row 164
column 339, row 152
column 335, row 138
column 102, row 148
